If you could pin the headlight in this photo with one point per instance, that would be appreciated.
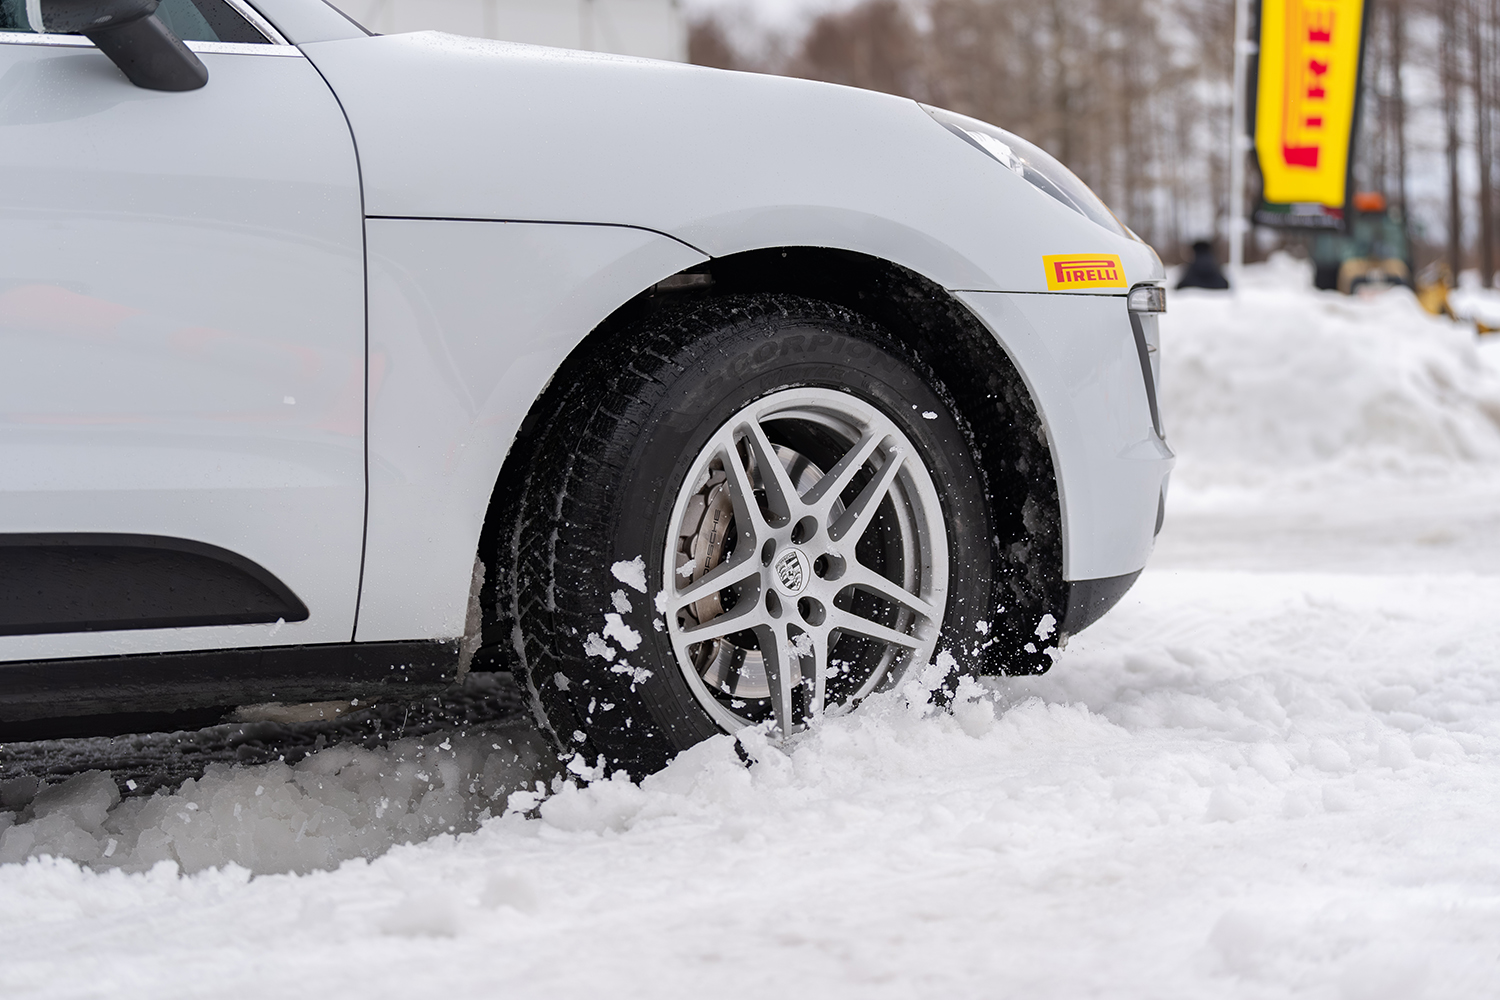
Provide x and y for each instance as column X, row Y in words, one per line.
column 1032, row 163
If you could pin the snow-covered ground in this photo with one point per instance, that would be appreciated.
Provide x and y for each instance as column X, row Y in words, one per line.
column 1273, row 770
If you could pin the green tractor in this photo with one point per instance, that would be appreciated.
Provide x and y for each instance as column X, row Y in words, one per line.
column 1373, row 254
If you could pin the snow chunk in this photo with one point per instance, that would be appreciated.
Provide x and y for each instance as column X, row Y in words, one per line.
column 973, row 708
column 616, row 629
column 85, row 799
column 595, row 645
column 631, row 572
column 603, row 805
column 638, row 675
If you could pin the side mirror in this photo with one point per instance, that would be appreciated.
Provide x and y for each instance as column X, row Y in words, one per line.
column 130, row 33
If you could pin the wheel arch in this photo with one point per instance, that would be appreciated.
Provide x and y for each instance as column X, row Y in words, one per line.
column 994, row 402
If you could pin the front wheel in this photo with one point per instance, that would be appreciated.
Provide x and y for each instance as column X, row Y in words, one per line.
column 753, row 510
column 806, row 559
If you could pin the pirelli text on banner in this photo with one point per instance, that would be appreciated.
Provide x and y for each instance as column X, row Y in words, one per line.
column 1305, row 99
column 1069, row 271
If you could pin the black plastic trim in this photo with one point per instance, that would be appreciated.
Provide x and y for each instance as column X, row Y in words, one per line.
column 173, row 682
column 1088, row 600
column 1142, row 349
column 95, row 582
column 149, row 54
column 118, row 724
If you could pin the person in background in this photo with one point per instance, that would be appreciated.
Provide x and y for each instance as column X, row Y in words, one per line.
column 1204, row 271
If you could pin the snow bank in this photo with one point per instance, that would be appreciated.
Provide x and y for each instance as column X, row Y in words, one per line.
column 1282, row 378
column 1473, row 301
column 339, row 803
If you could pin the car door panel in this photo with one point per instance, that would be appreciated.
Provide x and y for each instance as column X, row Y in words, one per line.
column 182, row 326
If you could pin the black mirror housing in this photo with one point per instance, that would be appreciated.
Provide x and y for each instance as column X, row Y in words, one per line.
column 79, row 17
column 132, row 36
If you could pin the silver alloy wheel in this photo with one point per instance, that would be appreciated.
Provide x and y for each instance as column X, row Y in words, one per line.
column 800, row 583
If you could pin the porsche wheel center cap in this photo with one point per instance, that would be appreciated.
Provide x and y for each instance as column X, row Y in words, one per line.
column 791, row 572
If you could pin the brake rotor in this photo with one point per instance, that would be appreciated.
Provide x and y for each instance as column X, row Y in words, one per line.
column 706, row 527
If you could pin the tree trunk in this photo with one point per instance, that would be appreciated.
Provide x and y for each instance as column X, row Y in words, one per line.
column 1477, row 36
column 1062, row 111
column 1448, row 52
column 1398, row 109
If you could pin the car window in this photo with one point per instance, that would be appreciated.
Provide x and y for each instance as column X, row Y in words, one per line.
column 190, row 20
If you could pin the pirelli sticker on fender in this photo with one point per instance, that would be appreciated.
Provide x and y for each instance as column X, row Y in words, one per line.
column 1068, row 271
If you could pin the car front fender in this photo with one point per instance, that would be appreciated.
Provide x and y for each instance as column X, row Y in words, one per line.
column 462, row 128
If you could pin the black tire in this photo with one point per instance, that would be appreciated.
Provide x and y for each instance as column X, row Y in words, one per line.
column 605, row 473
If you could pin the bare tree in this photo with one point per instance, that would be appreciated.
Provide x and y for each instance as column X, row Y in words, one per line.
column 1481, row 28
column 1396, row 25
column 709, row 45
column 874, row 45
column 1448, row 54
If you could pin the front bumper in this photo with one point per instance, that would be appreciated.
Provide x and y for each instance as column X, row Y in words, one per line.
column 1078, row 356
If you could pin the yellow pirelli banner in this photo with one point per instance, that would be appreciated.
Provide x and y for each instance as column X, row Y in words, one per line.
column 1305, row 99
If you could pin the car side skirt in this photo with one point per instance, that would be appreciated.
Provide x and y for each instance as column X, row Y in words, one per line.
column 155, row 682
column 100, row 582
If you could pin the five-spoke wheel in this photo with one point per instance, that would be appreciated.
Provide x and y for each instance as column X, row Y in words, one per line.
column 809, row 562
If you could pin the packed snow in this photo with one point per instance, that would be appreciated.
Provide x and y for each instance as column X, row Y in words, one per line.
column 338, row 803
column 1273, row 770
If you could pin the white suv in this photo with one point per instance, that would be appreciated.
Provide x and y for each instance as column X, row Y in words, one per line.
column 336, row 363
